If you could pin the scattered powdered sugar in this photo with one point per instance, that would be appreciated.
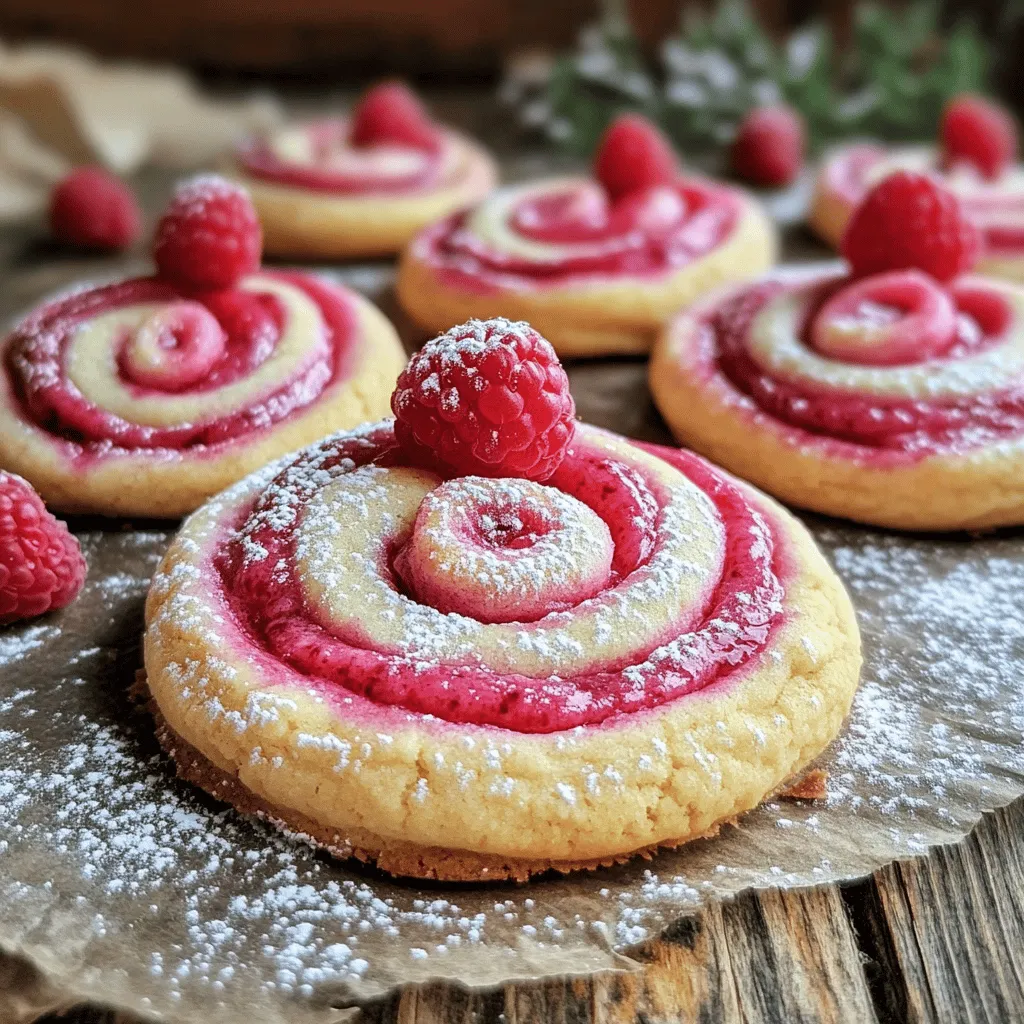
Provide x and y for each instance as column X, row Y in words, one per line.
column 156, row 897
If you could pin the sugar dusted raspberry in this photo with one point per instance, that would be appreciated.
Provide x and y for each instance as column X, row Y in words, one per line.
column 909, row 220
column 392, row 113
column 209, row 236
column 976, row 131
column 769, row 148
column 487, row 398
column 633, row 155
column 94, row 209
column 41, row 564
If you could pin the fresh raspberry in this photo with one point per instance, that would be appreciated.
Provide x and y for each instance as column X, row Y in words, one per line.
column 488, row 398
column 209, row 236
column 979, row 132
column 632, row 156
column 95, row 210
column 391, row 112
column 41, row 564
column 910, row 220
column 769, row 148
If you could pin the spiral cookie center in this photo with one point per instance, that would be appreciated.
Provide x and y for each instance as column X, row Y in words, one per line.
column 887, row 320
column 585, row 214
column 570, row 226
column 359, row 596
column 137, row 364
column 173, row 348
column 505, row 550
column 792, row 355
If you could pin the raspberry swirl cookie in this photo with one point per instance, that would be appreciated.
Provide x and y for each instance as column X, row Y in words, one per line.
column 364, row 185
column 974, row 159
column 594, row 650
column 890, row 396
column 597, row 265
column 146, row 396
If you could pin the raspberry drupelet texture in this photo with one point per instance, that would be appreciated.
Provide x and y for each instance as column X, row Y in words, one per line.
column 487, row 398
column 632, row 156
column 392, row 113
column 209, row 236
column 909, row 220
column 41, row 564
column 769, row 148
column 94, row 209
column 978, row 132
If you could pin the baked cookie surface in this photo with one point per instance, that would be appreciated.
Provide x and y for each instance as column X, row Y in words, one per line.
column 895, row 400
column 360, row 186
column 848, row 173
column 331, row 643
column 100, row 418
column 146, row 396
column 596, row 270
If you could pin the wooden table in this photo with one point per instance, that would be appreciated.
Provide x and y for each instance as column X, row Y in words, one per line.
column 940, row 938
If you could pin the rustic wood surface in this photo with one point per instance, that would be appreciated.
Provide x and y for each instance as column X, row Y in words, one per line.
column 939, row 938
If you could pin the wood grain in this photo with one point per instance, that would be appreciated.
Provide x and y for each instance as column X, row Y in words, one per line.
column 947, row 932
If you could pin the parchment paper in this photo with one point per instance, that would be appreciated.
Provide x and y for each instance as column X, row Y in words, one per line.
column 125, row 886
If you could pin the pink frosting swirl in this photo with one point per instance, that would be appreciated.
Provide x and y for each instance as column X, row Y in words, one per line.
column 331, row 164
column 443, row 663
column 552, row 232
column 895, row 365
column 206, row 349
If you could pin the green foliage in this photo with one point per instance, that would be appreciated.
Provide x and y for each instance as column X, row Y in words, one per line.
column 890, row 83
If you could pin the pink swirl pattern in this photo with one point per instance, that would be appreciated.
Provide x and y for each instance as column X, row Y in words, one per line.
column 342, row 569
column 319, row 157
column 137, row 365
column 896, row 365
column 558, row 230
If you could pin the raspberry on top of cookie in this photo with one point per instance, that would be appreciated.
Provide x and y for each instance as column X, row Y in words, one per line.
column 974, row 156
column 360, row 185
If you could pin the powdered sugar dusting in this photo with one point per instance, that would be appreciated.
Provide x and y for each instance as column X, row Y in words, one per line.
column 198, row 907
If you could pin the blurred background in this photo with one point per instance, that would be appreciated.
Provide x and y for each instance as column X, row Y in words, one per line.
column 432, row 41
column 126, row 84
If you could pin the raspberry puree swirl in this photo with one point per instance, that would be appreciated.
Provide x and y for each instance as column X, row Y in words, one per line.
column 320, row 157
column 995, row 205
column 883, row 382
column 553, row 232
column 145, row 396
column 623, row 582
column 466, row 651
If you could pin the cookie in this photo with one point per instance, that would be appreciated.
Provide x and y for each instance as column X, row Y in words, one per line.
column 597, row 265
column 895, row 400
column 335, row 643
column 360, row 186
column 146, row 396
